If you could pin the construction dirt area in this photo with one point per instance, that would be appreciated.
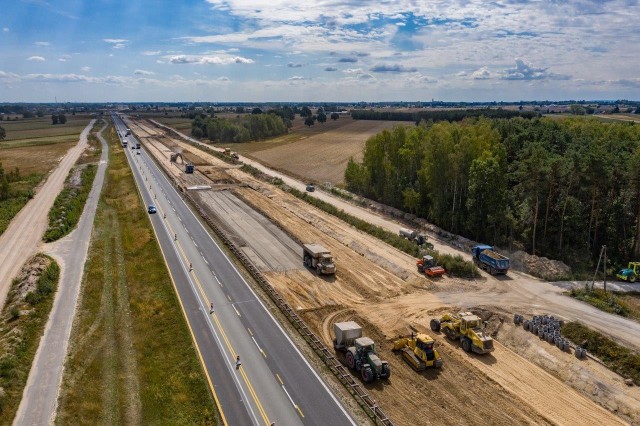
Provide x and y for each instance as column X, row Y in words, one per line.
column 523, row 381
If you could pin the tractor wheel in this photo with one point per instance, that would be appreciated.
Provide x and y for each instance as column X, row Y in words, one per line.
column 367, row 375
column 335, row 345
column 319, row 269
column 306, row 261
column 466, row 344
column 386, row 371
column 516, row 319
column 632, row 278
column 435, row 325
column 525, row 325
column 351, row 360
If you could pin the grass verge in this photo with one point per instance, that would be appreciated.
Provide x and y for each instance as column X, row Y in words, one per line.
column 131, row 357
column 616, row 357
column 67, row 208
column 21, row 326
column 605, row 301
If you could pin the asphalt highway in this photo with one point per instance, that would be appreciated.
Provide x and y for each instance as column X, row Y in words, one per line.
column 275, row 383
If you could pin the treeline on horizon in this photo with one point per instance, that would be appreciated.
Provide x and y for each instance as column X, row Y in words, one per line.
column 439, row 115
column 556, row 188
column 240, row 129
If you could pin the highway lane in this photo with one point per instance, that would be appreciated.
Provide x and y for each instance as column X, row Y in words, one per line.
column 284, row 384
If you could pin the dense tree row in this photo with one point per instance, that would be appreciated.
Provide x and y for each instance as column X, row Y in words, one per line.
column 438, row 115
column 561, row 188
column 240, row 129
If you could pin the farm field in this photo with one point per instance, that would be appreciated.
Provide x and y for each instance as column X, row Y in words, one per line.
column 318, row 154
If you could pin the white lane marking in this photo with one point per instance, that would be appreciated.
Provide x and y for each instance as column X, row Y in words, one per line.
column 234, row 308
column 258, row 346
column 205, row 260
column 194, row 242
column 289, row 396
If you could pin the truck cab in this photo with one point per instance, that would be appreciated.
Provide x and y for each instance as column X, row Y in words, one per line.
column 317, row 257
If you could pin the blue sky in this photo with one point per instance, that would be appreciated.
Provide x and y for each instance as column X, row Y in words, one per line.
column 323, row 50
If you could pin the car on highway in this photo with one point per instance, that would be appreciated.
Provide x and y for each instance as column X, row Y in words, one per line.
column 310, row 187
column 152, row 209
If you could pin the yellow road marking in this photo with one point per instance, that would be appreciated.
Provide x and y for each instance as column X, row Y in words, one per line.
column 249, row 330
column 279, row 379
column 224, row 336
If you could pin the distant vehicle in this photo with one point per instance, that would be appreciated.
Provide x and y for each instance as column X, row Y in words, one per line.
column 189, row 168
column 235, row 155
column 310, row 187
column 138, row 152
column 128, row 132
column 152, row 209
column 137, row 145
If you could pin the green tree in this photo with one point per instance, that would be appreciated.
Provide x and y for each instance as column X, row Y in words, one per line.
column 3, row 133
column 256, row 110
column 54, row 119
column 309, row 121
column 411, row 199
column 486, row 200
column 335, row 115
column 62, row 119
column 305, row 112
column 40, row 113
column 322, row 117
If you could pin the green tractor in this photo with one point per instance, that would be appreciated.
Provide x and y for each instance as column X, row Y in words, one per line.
column 631, row 273
column 363, row 358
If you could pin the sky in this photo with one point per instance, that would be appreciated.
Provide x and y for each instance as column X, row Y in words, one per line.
column 320, row 50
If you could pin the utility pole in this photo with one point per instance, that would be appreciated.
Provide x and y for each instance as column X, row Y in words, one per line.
column 595, row 274
column 605, row 268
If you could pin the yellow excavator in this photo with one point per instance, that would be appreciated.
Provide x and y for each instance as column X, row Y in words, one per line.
column 418, row 351
column 466, row 327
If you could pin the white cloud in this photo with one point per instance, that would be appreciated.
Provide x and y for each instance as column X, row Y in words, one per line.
column 116, row 43
column 524, row 71
column 293, row 65
column 64, row 58
column 395, row 68
column 42, row 43
column 296, row 78
column 85, row 69
column 5, row 29
column 152, row 52
column 143, row 72
column 36, row 58
column 208, row 60
column 481, row 74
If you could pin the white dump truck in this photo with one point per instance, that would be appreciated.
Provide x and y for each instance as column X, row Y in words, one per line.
column 346, row 334
column 319, row 258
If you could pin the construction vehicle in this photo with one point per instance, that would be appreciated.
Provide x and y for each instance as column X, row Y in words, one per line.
column 466, row 327
column 485, row 257
column 128, row 131
column 418, row 351
column 319, row 258
column 360, row 352
column 235, row 156
column 227, row 151
column 189, row 168
column 429, row 266
column 416, row 237
column 630, row 273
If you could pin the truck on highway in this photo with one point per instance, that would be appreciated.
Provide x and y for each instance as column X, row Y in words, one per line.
column 485, row 257
column 128, row 131
column 319, row 258
column 137, row 145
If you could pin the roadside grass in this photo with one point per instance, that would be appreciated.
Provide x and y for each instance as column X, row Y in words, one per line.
column 605, row 301
column 67, row 208
column 616, row 357
column 131, row 358
column 69, row 204
column 22, row 323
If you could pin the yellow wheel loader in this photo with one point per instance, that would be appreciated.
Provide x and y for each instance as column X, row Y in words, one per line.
column 418, row 351
column 466, row 327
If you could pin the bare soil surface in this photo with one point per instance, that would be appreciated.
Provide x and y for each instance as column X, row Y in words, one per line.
column 323, row 157
column 379, row 287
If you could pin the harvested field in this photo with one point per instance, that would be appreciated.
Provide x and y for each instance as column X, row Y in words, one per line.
column 379, row 287
column 39, row 128
column 322, row 157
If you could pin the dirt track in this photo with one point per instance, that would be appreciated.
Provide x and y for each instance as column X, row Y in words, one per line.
column 24, row 235
column 379, row 287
